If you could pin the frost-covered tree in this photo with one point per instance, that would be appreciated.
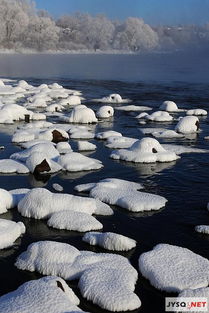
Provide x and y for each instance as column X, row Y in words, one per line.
column 42, row 33
column 135, row 35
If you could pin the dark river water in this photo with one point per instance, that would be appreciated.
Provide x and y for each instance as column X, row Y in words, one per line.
column 147, row 80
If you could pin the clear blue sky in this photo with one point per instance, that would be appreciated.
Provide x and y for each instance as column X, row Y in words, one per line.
column 152, row 11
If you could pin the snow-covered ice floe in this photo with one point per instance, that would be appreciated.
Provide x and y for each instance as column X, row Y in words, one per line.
column 124, row 194
column 86, row 146
column 167, row 134
column 119, row 142
column 40, row 203
column 197, row 112
column 75, row 221
column 133, row 108
column 146, row 150
column 106, row 279
column 9, row 232
column 110, row 241
column 44, row 295
column 106, row 134
column 187, row 125
column 8, row 166
column 174, row 269
column 57, row 187
column 159, row 116
column 113, row 98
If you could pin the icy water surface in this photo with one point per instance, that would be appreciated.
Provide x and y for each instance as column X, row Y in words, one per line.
column 185, row 182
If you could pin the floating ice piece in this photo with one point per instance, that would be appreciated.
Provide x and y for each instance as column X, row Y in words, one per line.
column 75, row 221
column 81, row 132
column 81, row 115
column 173, row 269
column 170, row 106
column 133, row 108
column 194, row 293
column 151, row 130
column 9, row 232
column 39, row 203
column 202, row 229
column 57, row 187
column 106, row 134
column 63, row 147
column 110, row 241
column 71, row 100
column 124, row 194
column 179, row 149
column 159, row 116
column 105, row 112
column 120, row 142
column 167, row 134
column 106, row 279
column 6, row 201
column 8, row 166
column 197, row 112
column 86, row 146
column 187, row 125
column 146, row 150
column 113, row 98
column 48, row 294
column 75, row 162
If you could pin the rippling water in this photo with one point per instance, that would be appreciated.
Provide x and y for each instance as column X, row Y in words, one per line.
column 147, row 81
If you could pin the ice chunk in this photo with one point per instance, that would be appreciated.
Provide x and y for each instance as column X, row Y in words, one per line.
column 110, row 241
column 57, row 187
column 75, row 162
column 8, row 166
column 197, row 112
column 134, row 108
column 202, row 229
column 113, row 98
column 86, row 146
column 170, row 106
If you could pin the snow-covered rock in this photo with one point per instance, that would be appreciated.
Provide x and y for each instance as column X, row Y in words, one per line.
column 75, row 162
column 146, row 150
column 40, row 203
column 198, row 112
column 173, row 269
column 105, row 112
column 106, row 279
column 86, row 146
column 187, row 125
column 169, row 106
column 8, row 166
column 159, row 116
column 44, row 295
column 38, row 163
column 75, row 221
column 9, row 232
column 81, row 115
column 6, row 201
column 106, row 134
column 63, row 147
column 113, row 98
column 119, row 142
column 124, row 194
column 110, row 241
column 202, row 229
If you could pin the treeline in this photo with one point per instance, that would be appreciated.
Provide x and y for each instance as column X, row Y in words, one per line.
column 23, row 27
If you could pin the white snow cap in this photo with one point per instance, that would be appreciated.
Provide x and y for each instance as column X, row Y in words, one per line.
column 110, row 241
column 81, row 115
column 124, row 194
column 9, row 232
column 173, row 269
column 159, row 116
column 48, row 294
column 113, row 98
column 63, row 147
column 106, row 279
column 8, row 166
column 204, row 229
column 146, row 150
column 86, row 146
column 106, row 134
column 197, row 112
column 75, row 162
column 105, row 112
column 169, row 106
column 187, row 125
column 40, row 203
column 167, row 133
column 119, row 142
column 75, row 221
column 6, row 201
